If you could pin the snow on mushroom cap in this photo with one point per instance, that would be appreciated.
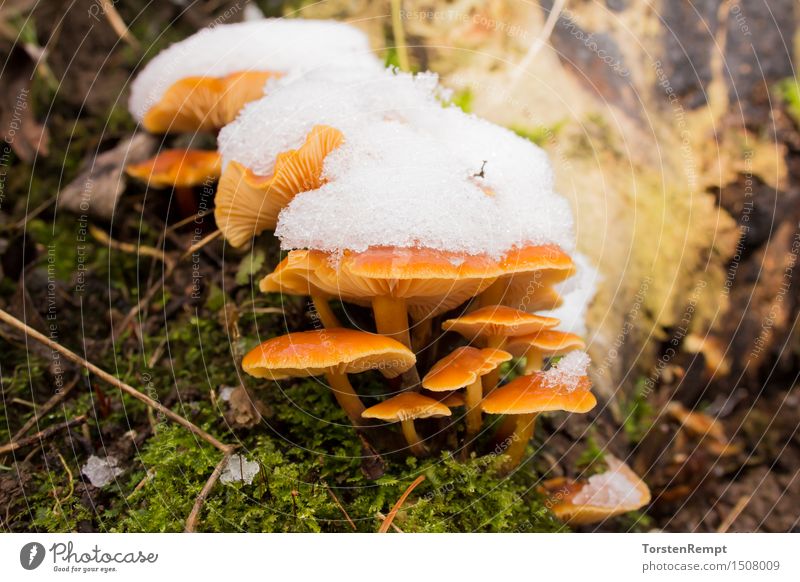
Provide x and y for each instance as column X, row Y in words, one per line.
column 349, row 99
column 577, row 293
column 568, row 371
column 276, row 44
column 410, row 173
column 611, row 489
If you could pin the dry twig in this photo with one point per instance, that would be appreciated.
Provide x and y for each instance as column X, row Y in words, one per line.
column 340, row 506
column 128, row 389
column 734, row 514
column 390, row 518
column 191, row 521
column 42, row 434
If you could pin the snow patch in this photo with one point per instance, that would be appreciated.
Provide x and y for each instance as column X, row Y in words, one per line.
column 239, row 470
column 611, row 489
column 274, row 44
column 577, row 294
column 567, row 373
column 410, row 173
column 101, row 471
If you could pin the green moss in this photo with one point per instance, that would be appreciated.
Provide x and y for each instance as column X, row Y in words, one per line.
column 540, row 135
column 637, row 412
column 464, row 100
column 294, row 492
column 789, row 91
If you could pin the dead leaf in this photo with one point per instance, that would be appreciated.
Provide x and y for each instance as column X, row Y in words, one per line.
column 243, row 411
column 21, row 131
column 96, row 190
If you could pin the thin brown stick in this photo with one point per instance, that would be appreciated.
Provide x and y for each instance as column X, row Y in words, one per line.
column 41, row 435
column 184, row 221
column 382, row 517
column 102, row 237
column 201, row 243
column 191, row 521
column 116, row 22
column 128, row 389
column 390, row 518
column 154, row 288
column 145, row 300
column 340, row 506
column 40, row 411
column 734, row 514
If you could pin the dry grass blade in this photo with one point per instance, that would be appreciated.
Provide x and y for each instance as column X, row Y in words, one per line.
column 116, row 22
column 191, row 521
column 340, row 506
column 128, row 389
column 390, row 518
column 734, row 514
column 41, row 435
column 143, row 250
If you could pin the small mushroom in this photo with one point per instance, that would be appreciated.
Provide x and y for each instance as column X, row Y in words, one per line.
column 394, row 281
column 494, row 324
column 529, row 274
column 205, row 103
column 177, row 168
column 247, row 204
column 405, row 408
column 528, row 396
column 614, row 492
column 454, row 400
column 548, row 343
column 463, row 368
column 287, row 279
column 202, row 82
column 334, row 353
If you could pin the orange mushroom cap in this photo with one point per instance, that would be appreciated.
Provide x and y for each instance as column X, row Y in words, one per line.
column 313, row 353
column 454, row 400
column 463, row 367
column 407, row 406
column 617, row 491
column 529, row 275
column 247, row 204
column 535, row 393
column 498, row 320
column 205, row 103
column 178, row 168
column 431, row 281
column 550, row 342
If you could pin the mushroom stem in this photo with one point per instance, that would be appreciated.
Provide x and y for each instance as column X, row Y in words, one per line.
column 421, row 334
column 391, row 318
column 506, row 429
column 346, row 396
column 492, row 379
column 534, row 361
column 474, row 397
column 187, row 202
column 324, row 311
column 519, row 440
column 412, row 438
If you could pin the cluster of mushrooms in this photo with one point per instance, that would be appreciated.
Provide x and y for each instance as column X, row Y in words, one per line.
column 468, row 312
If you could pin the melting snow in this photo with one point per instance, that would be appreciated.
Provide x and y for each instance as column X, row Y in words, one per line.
column 274, row 44
column 409, row 171
column 568, row 371
column 101, row 471
column 239, row 469
column 577, row 293
column 610, row 489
